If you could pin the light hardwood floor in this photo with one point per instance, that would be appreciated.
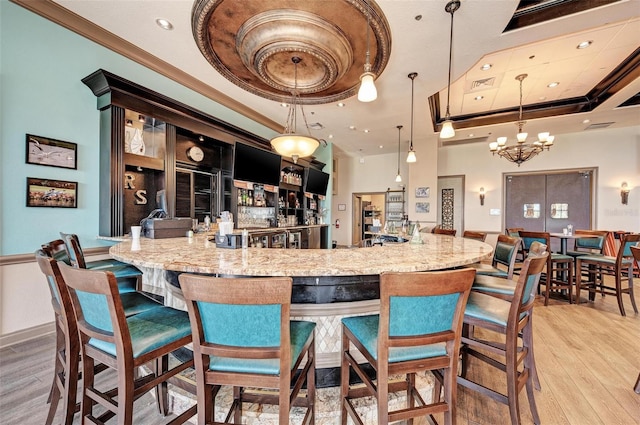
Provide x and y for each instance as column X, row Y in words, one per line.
column 588, row 358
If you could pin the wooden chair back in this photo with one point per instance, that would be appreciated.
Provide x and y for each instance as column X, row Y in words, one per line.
column 593, row 244
column 441, row 231
column 505, row 253
column 57, row 250
column 74, row 250
column 470, row 234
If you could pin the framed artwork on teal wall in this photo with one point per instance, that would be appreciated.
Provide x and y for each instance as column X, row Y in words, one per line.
column 51, row 193
column 51, row 152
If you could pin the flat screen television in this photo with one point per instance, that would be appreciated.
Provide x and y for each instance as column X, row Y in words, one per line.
column 316, row 182
column 256, row 165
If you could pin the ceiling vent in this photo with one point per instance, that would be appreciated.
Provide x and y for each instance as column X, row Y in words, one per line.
column 316, row 126
column 599, row 125
column 483, row 83
column 464, row 141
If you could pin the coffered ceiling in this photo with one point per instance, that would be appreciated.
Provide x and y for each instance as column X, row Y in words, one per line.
column 539, row 38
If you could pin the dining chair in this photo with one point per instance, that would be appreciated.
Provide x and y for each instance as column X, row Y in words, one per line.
column 513, row 354
column 514, row 232
column 592, row 242
column 124, row 344
column 619, row 268
column 129, row 277
column 504, row 259
column 440, row 231
column 559, row 271
column 418, row 329
column 243, row 337
column 479, row 236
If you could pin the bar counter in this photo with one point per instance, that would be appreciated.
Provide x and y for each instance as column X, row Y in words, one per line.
column 328, row 284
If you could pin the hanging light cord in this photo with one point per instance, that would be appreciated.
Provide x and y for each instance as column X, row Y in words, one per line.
column 520, row 113
column 367, row 65
column 399, row 128
column 413, row 76
column 292, row 117
column 451, row 8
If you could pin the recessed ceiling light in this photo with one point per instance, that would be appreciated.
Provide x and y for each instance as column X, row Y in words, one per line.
column 352, row 127
column 366, row 130
column 340, row 105
column 584, row 44
column 164, row 24
column 331, row 136
column 554, row 84
column 284, row 105
column 381, row 146
column 587, row 121
column 471, row 134
column 479, row 97
column 486, row 67
column 418, row 17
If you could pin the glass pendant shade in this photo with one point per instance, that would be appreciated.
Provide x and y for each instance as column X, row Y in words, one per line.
column 411, row 157
column 295, row 145
column 368, row 91
column 447, row 131
column 398, row 178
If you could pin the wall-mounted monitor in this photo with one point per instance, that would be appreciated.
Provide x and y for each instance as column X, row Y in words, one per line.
column 316, row 182
column 256, row 165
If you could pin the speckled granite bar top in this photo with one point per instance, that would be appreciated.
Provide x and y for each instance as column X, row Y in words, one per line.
column 200, row 255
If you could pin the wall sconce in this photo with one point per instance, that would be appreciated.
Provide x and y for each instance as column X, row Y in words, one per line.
column 482, row 196
column 624, row 193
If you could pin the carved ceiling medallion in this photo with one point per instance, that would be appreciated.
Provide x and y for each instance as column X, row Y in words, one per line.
column 251, row 44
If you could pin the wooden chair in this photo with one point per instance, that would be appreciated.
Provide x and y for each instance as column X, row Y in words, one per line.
column 504, row 259
column 514, row 232
column 620, row 267
column 559, row 273
column 129, row 277
column 635, row 251
column 405, row 338
column 479, row 236
column 441, row 231
column 67, row 354
column 512, row 320
column 124, row 344
column 591, row 244
column 243, row 337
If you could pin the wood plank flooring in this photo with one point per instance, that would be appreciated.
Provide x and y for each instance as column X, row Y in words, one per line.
column 588, row 359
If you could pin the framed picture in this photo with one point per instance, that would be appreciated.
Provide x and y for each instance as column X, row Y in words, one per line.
column 51, row 152
column 422, row 207
column 422, row 192
column 51, row 193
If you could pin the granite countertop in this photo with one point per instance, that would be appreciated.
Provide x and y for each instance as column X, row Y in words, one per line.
column 200, row 255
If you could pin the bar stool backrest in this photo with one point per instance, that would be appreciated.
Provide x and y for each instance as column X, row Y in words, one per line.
column 592, row 244
column 74, row 250
column 57, row 250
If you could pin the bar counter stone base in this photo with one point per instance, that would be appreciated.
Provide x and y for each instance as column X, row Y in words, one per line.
column 327, row 405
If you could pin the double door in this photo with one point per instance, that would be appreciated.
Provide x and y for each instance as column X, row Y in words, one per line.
column 548, row 202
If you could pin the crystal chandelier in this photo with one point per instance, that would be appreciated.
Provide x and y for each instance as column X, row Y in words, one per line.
column 290, row 143
column 521, row 152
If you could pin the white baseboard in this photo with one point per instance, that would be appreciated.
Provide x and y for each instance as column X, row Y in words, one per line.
column 27, row 334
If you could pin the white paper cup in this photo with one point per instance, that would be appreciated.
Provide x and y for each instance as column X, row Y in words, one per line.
column 135, row 232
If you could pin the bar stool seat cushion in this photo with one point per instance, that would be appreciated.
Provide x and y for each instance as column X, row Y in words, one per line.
column 136, row 303
column 605, row 259
column 365, row 329
column 488, row 308
column 150, row 330
column 300, row 331
column 560, row 257
column 493, row 284
column 487, row 270
column 583, row 253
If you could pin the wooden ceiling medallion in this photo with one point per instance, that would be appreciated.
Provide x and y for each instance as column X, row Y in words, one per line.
column 252, row 43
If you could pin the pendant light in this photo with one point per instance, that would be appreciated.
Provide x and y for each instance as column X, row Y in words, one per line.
column 447, row 131
column 367, row 91
column 290, row 143
column 411, row 156
column 399, row 177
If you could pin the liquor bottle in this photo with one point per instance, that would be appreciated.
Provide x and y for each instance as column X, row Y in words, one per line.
column 250, row 198
column 239, row 197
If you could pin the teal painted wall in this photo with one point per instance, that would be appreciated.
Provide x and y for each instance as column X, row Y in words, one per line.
column 41, row 93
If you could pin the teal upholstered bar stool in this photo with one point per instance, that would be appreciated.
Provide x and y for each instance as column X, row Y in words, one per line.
column 513, row 353
column 418, row 329
column 123, row 344
column 620, row 268
column 504, row 258
column 559, row 272
column 243, row 337
column 129, row 277
column 67, row 354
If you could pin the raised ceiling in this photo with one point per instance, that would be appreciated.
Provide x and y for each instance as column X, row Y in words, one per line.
column 485, row 30
column 252, row 44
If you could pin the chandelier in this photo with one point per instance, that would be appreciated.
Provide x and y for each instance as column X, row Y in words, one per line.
column 521, row 152
column 290, row 143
